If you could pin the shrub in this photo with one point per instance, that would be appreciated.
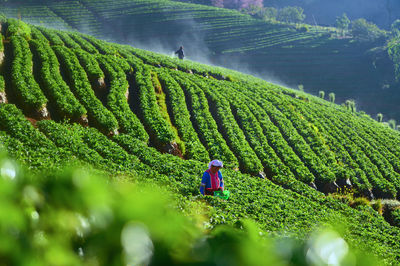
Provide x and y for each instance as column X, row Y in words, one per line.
column 303, row 28
column 360, row 202
column 379, row 117
column 321, row 94
column 365, row 31
column 332, row 97
column 291, row 14
column 392, row 123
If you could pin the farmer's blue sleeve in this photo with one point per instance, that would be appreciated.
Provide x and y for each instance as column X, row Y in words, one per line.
column 221, row 184
column 203, row 182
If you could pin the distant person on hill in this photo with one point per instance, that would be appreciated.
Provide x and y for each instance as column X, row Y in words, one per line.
column 180, row 53
column 212, row 179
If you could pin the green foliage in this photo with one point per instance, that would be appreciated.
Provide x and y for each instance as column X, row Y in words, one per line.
column 98, row 115
column 76, row 217
column 351, row 105
column 359, row 202
column 204, row 123
column 90, row 64
column 365, row 31
column 25, row 86
column 60, row 95
column 396, row 217
column 181, row 117
column 395, row 27
column 343, row 23
column 1, row 43
column 117, row 99
column 379, row 117
column 264, row 13
column 2, row 84
column 392, row 123
column 321, row 94
column 52, row 36
column 332, row 97
column 394, row 54
column 291, row 14
column 18, row 28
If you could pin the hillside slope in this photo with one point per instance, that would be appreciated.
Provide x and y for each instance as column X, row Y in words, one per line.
column 70, row 97
column 316, row 58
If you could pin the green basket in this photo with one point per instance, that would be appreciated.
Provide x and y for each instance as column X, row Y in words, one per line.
column 222, row 194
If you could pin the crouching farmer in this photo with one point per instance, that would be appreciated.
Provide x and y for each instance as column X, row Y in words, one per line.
column 212, row 179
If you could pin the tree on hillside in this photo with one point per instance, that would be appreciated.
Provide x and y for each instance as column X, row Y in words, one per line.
column 366, row 31
column 396, row 27
column 393, row 48
column 343, row 23
column 332, row 97
column 392, row 123
column 291, row 14
column 379, row 117
column 264, row 13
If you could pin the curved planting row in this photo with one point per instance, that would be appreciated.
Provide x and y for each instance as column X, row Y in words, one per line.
column 227, row 125
column 117, row 98
column 24, row 85
column 203, row 122
column 98, row 115
column 59, row 94
column 181, row 117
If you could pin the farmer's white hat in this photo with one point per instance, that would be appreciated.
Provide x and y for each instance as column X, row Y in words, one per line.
column 217, row 163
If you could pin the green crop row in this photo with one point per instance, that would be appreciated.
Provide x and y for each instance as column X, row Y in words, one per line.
column 255, row 136
column 234, row 136
column 18, row 28
column 1, row 44
column 204, row 123
column 70, row 140
column 2, row 84
column 67, row 106
column 311, row 137
column 382, row 169
column 359, row 150
column 281, row 156
column 159, row 130
column 67, row 40
column 322, row 174
column 381, row 187
column 83, row 43
column 181, row 117
column 379, row 139
column 98, row 115
column 27, row 143
column 101, row 46
column 15, row 124
column 38, row 35
column 90, row 64
column 351, row 169
column 23, row 83
column 117, row 99
column 51, row 35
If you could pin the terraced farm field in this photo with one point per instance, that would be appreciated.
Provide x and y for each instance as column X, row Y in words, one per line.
column 68, row 97
column 287, row 54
